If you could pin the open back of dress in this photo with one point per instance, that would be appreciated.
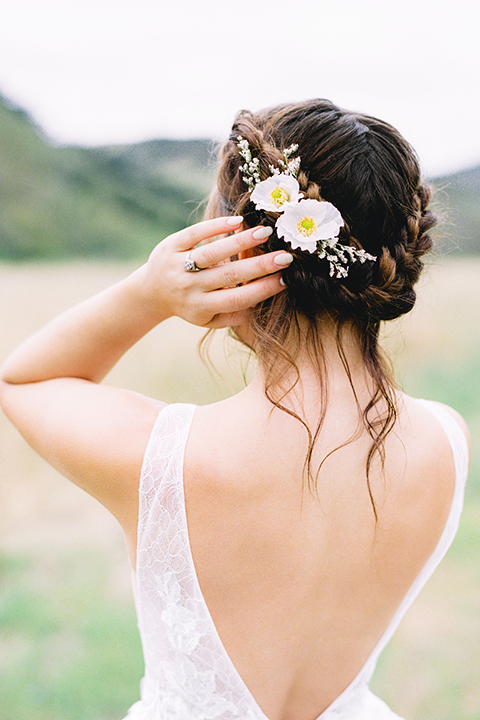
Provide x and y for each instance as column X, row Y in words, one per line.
column 188, row 673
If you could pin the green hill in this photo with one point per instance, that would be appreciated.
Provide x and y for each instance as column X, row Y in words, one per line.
column 107, row 202
column 119, row 201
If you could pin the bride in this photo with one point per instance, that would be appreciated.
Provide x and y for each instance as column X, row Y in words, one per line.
column 278, row 536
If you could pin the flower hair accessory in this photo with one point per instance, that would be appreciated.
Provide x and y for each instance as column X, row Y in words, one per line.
column 309, row 225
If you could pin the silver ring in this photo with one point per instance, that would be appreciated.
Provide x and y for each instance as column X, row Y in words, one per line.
column 190, row 264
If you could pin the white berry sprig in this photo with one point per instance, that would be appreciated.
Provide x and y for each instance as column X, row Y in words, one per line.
column 250, row 168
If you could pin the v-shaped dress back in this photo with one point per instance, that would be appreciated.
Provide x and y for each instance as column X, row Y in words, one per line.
column 188, row 673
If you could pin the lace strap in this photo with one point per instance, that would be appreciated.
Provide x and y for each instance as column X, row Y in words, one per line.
column 163, row 457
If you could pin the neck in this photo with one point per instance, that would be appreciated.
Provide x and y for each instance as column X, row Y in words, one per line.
column 335, row 361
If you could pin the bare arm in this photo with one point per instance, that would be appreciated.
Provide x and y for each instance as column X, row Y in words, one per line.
column 96, row 435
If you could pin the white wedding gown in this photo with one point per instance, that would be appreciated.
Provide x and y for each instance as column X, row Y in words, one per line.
column 188, row 673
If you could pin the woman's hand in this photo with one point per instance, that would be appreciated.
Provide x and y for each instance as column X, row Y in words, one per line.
column 223, row 292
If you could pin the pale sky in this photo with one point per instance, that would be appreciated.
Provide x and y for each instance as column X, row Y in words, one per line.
column 97, row 72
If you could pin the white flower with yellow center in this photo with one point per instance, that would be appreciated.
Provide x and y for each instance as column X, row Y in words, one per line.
column 276, row 193
column 307, row 222
column 309, row 225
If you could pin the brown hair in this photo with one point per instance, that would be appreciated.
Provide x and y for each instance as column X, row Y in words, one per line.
column 371, row 174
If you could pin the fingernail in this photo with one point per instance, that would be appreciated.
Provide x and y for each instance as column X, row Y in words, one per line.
column 235, row 220
column 283, row 258
column 282, row 282
column 262, row 233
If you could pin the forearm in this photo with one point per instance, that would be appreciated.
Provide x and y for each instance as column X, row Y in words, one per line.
column 88, row 340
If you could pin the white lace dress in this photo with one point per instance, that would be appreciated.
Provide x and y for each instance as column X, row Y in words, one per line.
column 188, row 673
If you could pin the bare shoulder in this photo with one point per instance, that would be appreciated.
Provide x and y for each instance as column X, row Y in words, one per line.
column 422, row 475
column 454, row 414
column 426, row 443
column 458, row 418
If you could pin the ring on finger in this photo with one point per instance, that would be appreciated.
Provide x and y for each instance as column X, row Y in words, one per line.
column 190, row 265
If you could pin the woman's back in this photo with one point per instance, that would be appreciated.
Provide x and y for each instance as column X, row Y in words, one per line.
column 301, row 587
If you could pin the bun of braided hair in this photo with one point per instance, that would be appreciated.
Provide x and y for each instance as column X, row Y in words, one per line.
column 365, row 168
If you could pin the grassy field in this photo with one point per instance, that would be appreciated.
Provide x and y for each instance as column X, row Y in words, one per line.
column 69, row 648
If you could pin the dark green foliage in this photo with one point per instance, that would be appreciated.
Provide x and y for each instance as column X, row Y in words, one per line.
column 104, row 202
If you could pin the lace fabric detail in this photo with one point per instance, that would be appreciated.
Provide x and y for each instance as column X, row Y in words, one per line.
column 188, row 673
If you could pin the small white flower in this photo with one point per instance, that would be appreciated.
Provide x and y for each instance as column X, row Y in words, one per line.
column 276, row 193
column 294, row 166
column 306, row 222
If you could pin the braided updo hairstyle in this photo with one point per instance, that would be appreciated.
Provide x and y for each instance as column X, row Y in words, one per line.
column 365, row 168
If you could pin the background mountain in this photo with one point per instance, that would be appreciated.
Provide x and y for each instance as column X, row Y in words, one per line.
column 105, row 202
column 118, row 201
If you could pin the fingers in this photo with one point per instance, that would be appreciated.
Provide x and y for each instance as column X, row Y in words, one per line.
column 191, row 236
column 238, row 272
column 220, row 274
column 224, row 248
column 233, row 302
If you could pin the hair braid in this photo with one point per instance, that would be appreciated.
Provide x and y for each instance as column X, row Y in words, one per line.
column 368, row 171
